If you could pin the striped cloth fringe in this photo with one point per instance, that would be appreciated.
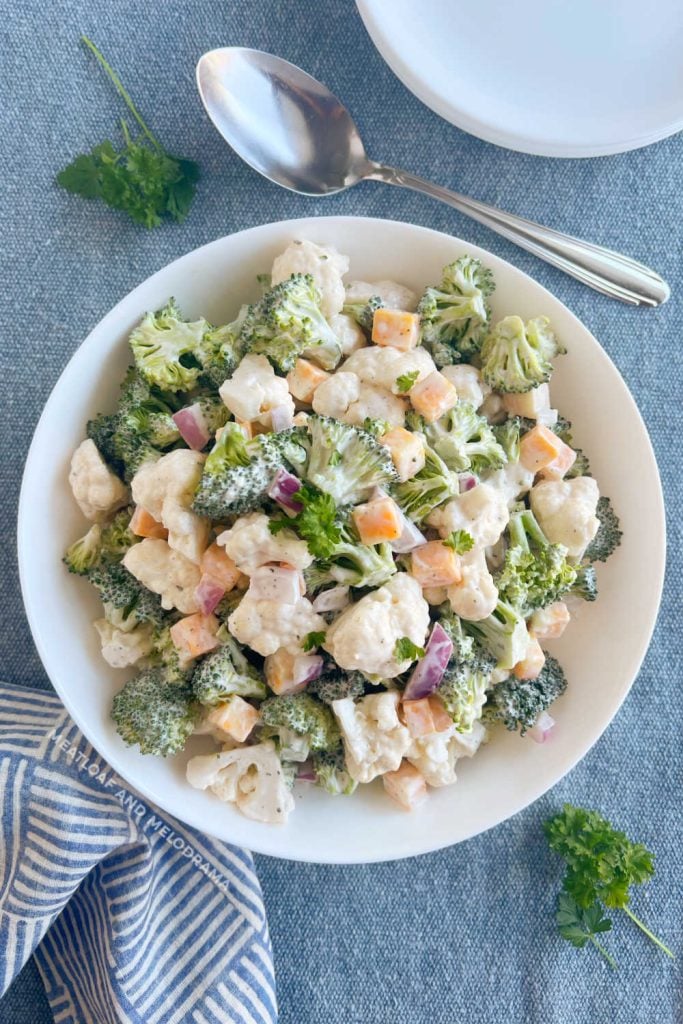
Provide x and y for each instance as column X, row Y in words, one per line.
column 133, row 917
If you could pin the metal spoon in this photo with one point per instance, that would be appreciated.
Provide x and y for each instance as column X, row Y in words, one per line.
column 295, row 132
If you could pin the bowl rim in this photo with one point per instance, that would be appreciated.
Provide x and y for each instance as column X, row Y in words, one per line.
column 270, row 845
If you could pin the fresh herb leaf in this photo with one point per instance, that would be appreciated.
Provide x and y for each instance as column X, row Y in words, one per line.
column 316, row 523
column 602, row 863
column 580, row 925
column 314, row 639
column 141, row 179
column 406, row 650
column 459, row 541
column 405, row 382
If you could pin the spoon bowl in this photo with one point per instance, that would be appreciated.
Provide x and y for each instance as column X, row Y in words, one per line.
column 291, row 129
column 281, row 121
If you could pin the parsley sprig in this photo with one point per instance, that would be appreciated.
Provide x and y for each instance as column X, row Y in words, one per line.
column 316, row 638
column 601, row 866
column 142, row 179
column 317, row 522
column 459, row 541
column 406, row 650
column 406, row 381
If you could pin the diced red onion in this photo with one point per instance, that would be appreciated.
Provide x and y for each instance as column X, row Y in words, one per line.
column 192, row 426
column 306, row 773
column 428, row 672
column 275, row 583
column 542, row 728
column 283, row 488
column 306, row 668
column 467, row 482
column 410, row 538
column 281, row 417
column 332, row 600
column 208, row 594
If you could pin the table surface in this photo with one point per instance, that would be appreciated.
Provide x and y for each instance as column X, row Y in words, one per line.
column 465, row 934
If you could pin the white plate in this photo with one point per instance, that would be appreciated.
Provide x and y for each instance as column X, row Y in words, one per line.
column 602, row 651
column 586, row 78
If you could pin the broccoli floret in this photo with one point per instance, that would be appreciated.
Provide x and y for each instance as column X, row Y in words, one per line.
column 503, row 635
column 608, row 537
column 433, row 485
column 101, row 545
column 213, row 411
column 120, row 589
column 335, row 684
column 84, row 554
column 467, row 675
column 154, row 426
column 376, row 427
column 225, row 672
column 345, row 461
column 535, row 572
column 102, row 430
column 166, row 657
column 236, row 475
column 305, row 716
column 288, row 323
column 464, row 440
column 291, row 746
column 586, row 583
column 221, row 350
column 332, row 773
column 351, row 563
column 517, row 703
column 157, row 715
column 517, row 358
column 166, row 348
column 508, row 435
column 363, row 311
column 453, row 317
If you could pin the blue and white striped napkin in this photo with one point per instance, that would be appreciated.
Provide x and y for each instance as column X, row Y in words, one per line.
column 132, row 916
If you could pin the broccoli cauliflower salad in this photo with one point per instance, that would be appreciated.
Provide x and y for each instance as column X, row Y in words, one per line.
column 334, row 535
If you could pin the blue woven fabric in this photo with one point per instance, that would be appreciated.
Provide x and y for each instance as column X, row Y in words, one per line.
column 464, row 935
column 133, row 917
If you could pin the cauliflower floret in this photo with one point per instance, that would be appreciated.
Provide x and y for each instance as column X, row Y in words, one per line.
column 512, row 481
column 267, row 625
column 97, row 490
column 375, row 740
column 434, row 755
column 482, row 512
column 349, row 333
column 376, row 403
column 123, row 647
column 393, row 295
column 468, row 743
column 334, row 396
column 250, row 544
column 254, row 389
column 382, row 366
column 468, row 383
column 251, row 777
column 165, row 572
column 325, row 265
column 365, row 634
column 165, row 489
column 476, row 595
column 565, row 510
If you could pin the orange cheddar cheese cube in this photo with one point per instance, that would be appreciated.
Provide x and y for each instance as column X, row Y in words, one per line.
column 394, row 328
column 560, row 465
column 216, row 563
column 406, row 786
column 435, row 565
column 236, row 717
column 142, row 524
column 407, row 451
column 530, row 403
column 534, row 660
column 538, row 448
column 550, row 623
column 433, row 396
column 378, row 521
column 442, row 720
column 418, row 718
column 280, row 672
column 304, row 379
column 195, row 634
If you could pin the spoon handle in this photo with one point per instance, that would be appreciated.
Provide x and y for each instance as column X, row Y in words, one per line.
column 608, row 272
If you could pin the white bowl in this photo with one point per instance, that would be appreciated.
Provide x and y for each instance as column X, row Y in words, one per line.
column 563, row 80
column 601, row 651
